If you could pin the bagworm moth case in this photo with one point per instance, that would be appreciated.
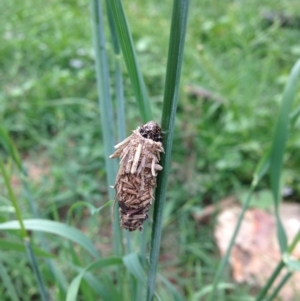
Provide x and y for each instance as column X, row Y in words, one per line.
column 136, row 179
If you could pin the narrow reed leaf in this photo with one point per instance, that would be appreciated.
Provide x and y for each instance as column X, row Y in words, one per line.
column 281, row 130
column 294, row 116
column 104, row 291
column 171, row 288
column 270, row 281
column 294, row 243
column 101, row 263
column 91, row 208
column 56, row 228
column 278, row 147
column 133, row 265
column 277, row 270
column 128, row 50
column 106, row 110
column 208, row 288
column 291, row 263
column 26, row 238
column 120, row 100
column 281, row 234
column 13, row 199
column 279, row 286
column 9, row 146
column 36, row 270
column 7, row 283
column 225, row 259
column 260, row 171
column 175, row 56
column 14, row 154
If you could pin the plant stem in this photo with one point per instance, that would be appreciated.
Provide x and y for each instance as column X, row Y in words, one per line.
column 279, row 286
column 106, row 111
column 130, row 58
column 225, row 259
column 277, row 270
column 25, row 236
column 176, row 46
column 265, row 289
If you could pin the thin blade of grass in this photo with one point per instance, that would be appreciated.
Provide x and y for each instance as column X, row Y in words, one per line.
column 175, row 56
column 260, row 171
column 9, row 147
column 36, row 270
column 21, row 226
column 132, row 263
column 135, row 267
column 277, row 270
column 208, row 288
column 278, row 147
column 8, row 283
column 104, row 291
column 106, row 110
column 101, row 263
column 171, row 288
column 13, row 152
column 120, row 101
column 291, row 263
column 270, row 281
column 279, row 286
column 53, row 227
column 128, row 50
column 91, row 208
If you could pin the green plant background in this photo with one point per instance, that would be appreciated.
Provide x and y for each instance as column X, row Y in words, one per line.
column 49, row 107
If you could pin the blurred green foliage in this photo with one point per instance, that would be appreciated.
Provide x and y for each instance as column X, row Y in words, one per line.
column 48, row 103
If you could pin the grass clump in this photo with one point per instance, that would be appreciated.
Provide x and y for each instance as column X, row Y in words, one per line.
column 49, row 108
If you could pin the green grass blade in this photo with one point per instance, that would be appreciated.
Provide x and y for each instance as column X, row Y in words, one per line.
column 104, row 291
column 36, row 270
column 278, row 146
column 171, row 288
column 10, row 147
column 277, row 270
column 134, row 266
column 7, row 283
column 266, row 162
column 9, row 245
column 260, row 171
column 26, row 238
column 91, row 208
column 279, row 286
column 101, row 263
column 175, row 55
column 13, row 152
column 106, row 110
column 208, row 288
column 130, row 58
column 291, row 263
column 132, row 263
column 56, row 228
column 120, row 101
column 13, row 199
column 270, row 281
